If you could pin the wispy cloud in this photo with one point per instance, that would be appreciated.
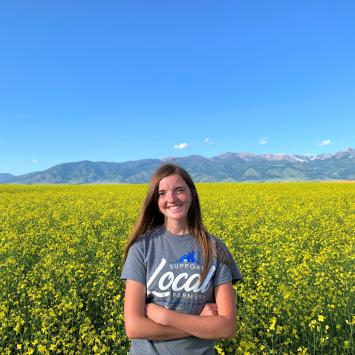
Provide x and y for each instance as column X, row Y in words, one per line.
column 34, row 161
column 263, row 140
column 207, row 141
column 325, row 142
column 180, row 146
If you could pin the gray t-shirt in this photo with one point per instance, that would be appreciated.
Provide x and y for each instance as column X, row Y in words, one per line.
column 169, row 266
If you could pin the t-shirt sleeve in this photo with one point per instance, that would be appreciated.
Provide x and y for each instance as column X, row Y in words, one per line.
column 134, row 267
column 227, row 269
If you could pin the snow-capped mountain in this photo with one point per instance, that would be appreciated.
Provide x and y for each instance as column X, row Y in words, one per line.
column 225, row 167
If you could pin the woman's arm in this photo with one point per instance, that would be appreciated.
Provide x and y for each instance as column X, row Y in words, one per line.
column 138, row 326
column 211, row 327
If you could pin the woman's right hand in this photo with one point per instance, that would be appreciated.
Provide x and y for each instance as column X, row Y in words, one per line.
column 209, row 309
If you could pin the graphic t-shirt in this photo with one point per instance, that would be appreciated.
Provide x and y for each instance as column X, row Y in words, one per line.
column 169, row 266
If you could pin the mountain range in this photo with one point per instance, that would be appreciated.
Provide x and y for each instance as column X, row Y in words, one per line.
column 226, row 167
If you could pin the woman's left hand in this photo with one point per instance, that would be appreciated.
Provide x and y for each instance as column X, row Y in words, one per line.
column 156, row 313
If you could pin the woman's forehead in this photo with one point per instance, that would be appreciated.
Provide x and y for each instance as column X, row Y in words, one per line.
column 171, row 181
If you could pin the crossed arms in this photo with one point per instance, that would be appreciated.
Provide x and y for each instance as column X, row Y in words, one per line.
column 151, row 321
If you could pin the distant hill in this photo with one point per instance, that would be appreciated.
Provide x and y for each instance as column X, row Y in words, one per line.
column 224, row 167
column 5, row 177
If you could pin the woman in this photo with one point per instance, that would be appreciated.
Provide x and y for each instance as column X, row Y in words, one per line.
column 173, row 303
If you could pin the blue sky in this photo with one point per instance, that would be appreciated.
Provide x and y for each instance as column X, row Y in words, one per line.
column 127, row 80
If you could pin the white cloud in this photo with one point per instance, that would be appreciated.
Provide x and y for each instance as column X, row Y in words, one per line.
column 180, row 146
column 207, row 141
column 325, row 142
column 34, row 161
column 263, row 140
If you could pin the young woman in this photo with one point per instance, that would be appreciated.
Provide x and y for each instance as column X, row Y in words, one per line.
column 179, row 296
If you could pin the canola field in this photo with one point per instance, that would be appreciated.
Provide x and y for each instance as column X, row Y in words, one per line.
column 61, row 250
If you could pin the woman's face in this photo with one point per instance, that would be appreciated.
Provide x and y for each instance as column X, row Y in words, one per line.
column 174, row 198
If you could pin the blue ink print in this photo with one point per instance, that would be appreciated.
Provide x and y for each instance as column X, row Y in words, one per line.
column 188, row 258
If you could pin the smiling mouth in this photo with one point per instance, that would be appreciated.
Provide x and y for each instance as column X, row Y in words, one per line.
column 174, row 207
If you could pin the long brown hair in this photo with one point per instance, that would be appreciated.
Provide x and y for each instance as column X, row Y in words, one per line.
column 151, row 216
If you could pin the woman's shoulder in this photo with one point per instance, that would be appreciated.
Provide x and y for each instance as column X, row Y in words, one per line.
column 219, row 247
column 217, row 241
column 150, row 234
column 145, row 240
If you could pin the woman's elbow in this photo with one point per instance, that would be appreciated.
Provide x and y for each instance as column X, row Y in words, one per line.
column 226, row 331
column 132, row 331
column 229, row 331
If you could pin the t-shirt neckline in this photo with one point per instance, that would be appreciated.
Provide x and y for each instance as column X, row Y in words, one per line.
column 176, row 236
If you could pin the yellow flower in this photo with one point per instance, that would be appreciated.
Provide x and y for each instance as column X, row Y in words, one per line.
column 273, row 323
column 60, row 248
column 321, row 318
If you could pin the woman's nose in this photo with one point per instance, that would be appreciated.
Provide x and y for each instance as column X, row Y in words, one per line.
column 171, row 196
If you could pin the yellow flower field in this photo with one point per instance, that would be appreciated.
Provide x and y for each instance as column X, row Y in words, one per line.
column 61, row 250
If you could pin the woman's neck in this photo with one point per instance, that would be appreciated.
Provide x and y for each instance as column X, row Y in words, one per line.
column 177, row 228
